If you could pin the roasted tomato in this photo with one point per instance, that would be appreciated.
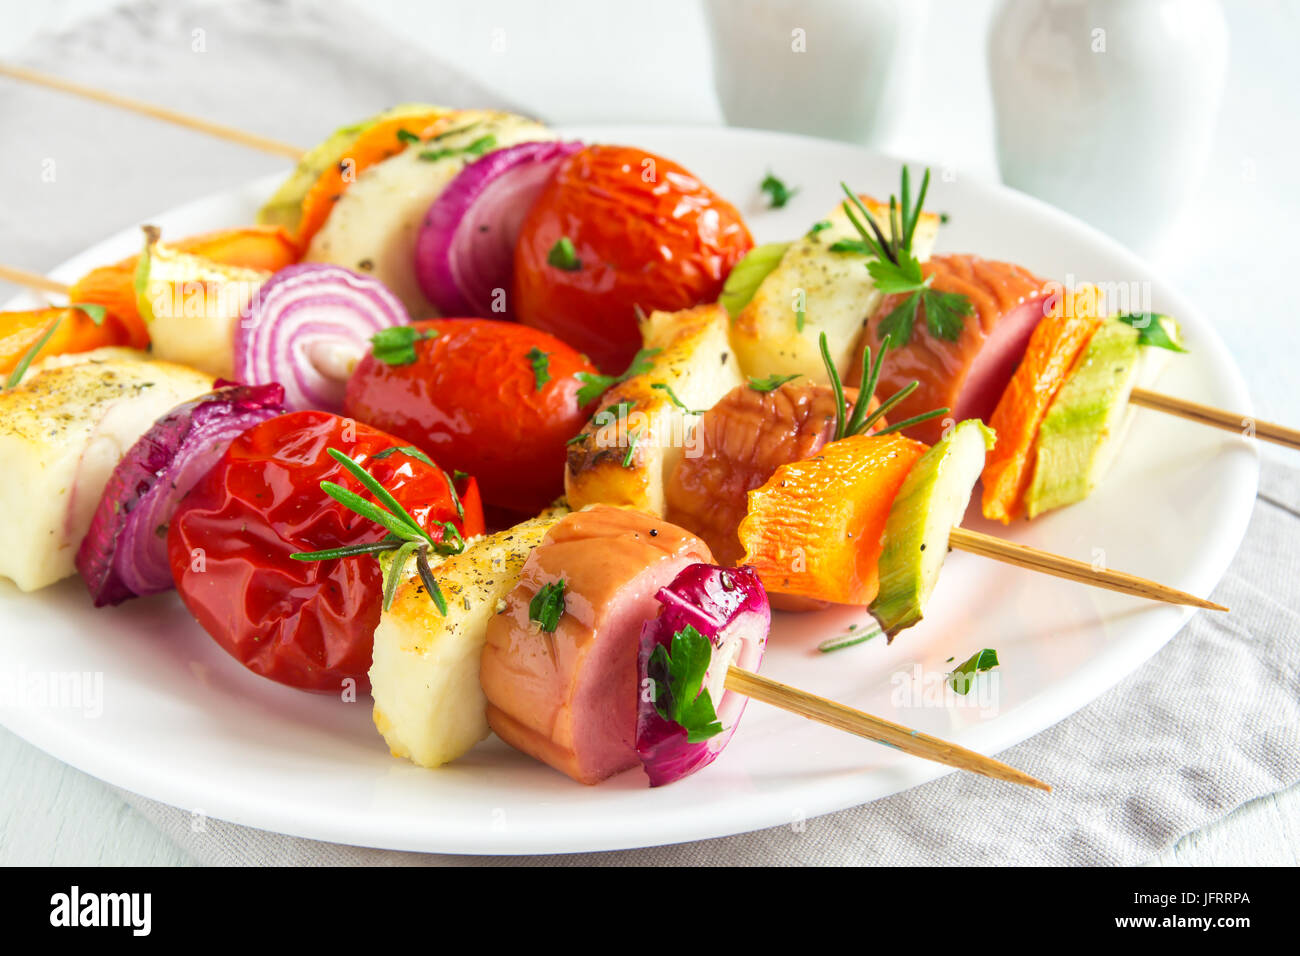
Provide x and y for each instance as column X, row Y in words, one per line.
column 641, row 231
column 494, row 399
column 309, row 624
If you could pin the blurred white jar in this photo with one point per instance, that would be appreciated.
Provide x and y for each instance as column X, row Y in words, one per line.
column 834, row 68
column 1107, row 108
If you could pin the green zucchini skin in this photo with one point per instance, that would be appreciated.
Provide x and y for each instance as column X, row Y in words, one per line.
column 930, row 503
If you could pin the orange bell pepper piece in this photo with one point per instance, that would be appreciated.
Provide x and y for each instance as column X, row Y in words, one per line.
column 1054, row 349
column 76, row 332
column 254, row 247
column 814, row 528
column 378, row 143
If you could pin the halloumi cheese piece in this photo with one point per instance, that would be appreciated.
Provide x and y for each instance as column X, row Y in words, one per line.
column 835, row 290
column 373, row 226
column 640, row 433
column 429, row 706
column 62, row 432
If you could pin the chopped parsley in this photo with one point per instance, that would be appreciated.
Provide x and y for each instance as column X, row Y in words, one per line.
column 541, row 363
column 97, row 313
column 1151, row 330
column 547, row 606
column 778, row 193
column 672, row 397
column 771, row 383
column 406, row 136
column 564, row 256
column 396, row 345
column 593, row 386
column 961, row 678
column 678, row 678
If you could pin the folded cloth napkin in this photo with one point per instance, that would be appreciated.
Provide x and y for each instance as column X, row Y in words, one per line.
column 1208, row 724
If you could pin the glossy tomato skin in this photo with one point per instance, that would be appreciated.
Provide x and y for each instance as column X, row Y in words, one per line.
column 308, row 624
column 646, row 233
column 471, row 401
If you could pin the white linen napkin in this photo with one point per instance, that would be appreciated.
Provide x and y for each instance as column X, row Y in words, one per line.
column 1211, row 722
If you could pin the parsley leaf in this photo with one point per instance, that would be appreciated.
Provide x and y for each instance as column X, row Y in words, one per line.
column 944, row 313
column 679, row 692
column 897, row 326
column 818, row 227
column 406, row 136
column 961, row 678
column 631, row 447
column 1151, row 330
column 593, row 386
column 409, row 450
column 778, row 193
column 547, row 606
column 396, row 345
column 771, row 383
column 541, row 363
column 563, row 255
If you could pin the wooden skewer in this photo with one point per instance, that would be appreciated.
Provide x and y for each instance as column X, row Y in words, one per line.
column 842, row 717
column 32, row 280
column 156, row 112
column 1045, row 562
column 1216, row 417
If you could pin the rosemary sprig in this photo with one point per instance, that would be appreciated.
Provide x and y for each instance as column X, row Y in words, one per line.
column 858, row 420
column 405, row 535
column 895, row 270
column 20, row 369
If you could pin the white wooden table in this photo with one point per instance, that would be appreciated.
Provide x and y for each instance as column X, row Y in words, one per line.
column 592, row 61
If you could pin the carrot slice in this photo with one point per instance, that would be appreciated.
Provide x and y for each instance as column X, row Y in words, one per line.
column 75, row 332
column 1054, row 348
column 268, row 248
column 378, row 143
column 814, row 528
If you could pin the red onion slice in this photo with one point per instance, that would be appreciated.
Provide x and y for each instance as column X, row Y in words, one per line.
column 465, row 250
column 124, row 554
column 729, row 607
column 309, row 327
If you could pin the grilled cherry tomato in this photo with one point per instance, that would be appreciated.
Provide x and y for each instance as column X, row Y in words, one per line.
column 309, row 624
column 495, row 399
column 641, row 231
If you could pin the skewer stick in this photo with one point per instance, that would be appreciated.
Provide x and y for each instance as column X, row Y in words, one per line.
column 32, row 280
column 842, row 717
column 1045, row 562
column 1215, row 417
column 175, row 117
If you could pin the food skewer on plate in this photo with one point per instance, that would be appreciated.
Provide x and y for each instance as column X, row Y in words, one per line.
column 265, row 515
column 1146, row 398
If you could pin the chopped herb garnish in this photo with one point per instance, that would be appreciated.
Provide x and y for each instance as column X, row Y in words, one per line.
column 771, row 383
column 564, row 256
column 610, row 415
column 459, row 475
column 406, row 136
column 476, row 148
column 631, row 447
column 679, row 692
column 819, row 226
column 541, row 363
column 481, row 145
column 20, row 369
column 672, row 397
column 963, row 676
column 455, row 496
column 896, row 271
column 547, row 606
column 851, row 639
column 396, row 345
column 800, row 317
column 1151, row 331
column 778, row 193
column 409, row 450
column 593, row 386
column 576, row 438
column 405, row 535
column 97, row 313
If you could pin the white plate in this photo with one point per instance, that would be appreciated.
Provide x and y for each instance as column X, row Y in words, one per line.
column 183, row 723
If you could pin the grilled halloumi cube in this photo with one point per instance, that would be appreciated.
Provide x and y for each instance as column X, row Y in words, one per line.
column 62, row 432
column 374, row 224
column 835, row 291
column 640, row 432
column 424, row 678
